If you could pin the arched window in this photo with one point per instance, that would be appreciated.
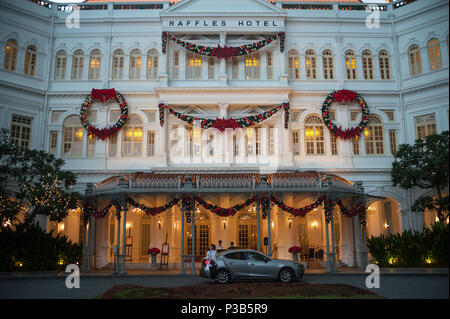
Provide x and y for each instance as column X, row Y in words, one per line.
column 374, row 137
column 77, row 65
column 152, row 64
column 60, row 65
column 252, row 66
column 135, row 64
column 415, row 61
column 385, row 65
column 434, row 54
column 367, row 63
column 350, row 65
column 10, row 55
column 294, row 65
column 95, row 65
column 132, row 137
column 310, row 65
column 193, row 66
column 72, row 137
column 117, row 64
column 314, row 135
column 328, row 65
column 30, row 60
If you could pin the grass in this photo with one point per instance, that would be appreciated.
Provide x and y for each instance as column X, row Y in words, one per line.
column 242, row 290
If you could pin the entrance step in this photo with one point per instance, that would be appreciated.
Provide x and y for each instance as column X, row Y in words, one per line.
column 314, row 264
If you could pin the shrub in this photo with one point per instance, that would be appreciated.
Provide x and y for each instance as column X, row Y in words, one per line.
column 28, row 247
column 412, row 248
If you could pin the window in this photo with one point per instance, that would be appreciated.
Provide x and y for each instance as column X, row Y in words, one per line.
column 176, row 65
column 10, row 55
column 77, row 65
column 135, row 64
column 132, row 137
column 373, row 134
column 72, row 137
column 355, row 144
column 95, row 64
column 310, row 65
column 252, row 66
column 425, row 125
column 434, row 54
column 385, row 67
column 192, row 141
column 235, row 145
column 367, row 63
column 328, row 65
column 113, row 145
column 271, row 141
column 393, row 141
column 332, row 114
column 210, row 145
column 53, row 143
column 60, row 65
column 390, row 114
column 211, row 68
column 295, row 142
column 294, row 65
column 354, row 115
column 193, row 66
column 253, row 141
column 21, row 131
column 350, row 65
column 314, row 136
column 175, row 138
column 151, row 143
column 117, row 65
column 90, row 147
column 235, row 68
column 269, row 65
column 255, row 257
column 415, row 61
column 239, row 255
column 30, row 60
column 145, row 235
column 334, row 148
column 152, row 64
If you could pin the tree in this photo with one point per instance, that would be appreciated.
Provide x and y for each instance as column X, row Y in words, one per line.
column 33, row 181
column 425, row 165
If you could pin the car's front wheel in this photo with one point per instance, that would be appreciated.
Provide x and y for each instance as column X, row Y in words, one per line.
column 223, row 276
column 286, row 275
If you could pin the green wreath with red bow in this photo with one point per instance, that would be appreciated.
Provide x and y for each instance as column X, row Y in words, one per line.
column 104, row 95
column 345, row 96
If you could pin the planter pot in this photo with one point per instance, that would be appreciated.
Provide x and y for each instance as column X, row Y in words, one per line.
column 295, row 256
column 152, row 260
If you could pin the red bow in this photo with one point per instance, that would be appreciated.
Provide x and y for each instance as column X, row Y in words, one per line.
column 225, row 52
column 222, row 124
column 103, row 95
column 344, row 95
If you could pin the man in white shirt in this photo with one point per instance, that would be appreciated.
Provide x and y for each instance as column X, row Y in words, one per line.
column 220, row 247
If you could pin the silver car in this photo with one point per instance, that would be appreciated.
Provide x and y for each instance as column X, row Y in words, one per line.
column 247, row 264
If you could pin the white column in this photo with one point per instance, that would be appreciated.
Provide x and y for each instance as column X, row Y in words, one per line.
column 223, row 77
column 163, row 75
column 282, row 62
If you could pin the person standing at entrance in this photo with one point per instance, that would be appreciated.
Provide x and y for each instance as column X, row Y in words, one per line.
column 231, row 245
column 219, row 246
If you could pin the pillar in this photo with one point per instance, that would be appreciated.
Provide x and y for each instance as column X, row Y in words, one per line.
column 333, row 244
column 182, row 272
column 117, row 248
column 193, row 235
column 258, row 223
column 124, row 232
column 269, row 232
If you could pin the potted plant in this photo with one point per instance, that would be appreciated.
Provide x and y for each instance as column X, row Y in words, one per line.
column 295, row 250
column 153, row 252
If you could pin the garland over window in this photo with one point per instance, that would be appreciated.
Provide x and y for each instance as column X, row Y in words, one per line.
column 225, row 212
column 223, row 52
column 103, row 96
column 222, row 124
column 348, row 96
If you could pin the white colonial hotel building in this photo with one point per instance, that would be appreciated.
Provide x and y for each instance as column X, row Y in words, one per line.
column 50, row 62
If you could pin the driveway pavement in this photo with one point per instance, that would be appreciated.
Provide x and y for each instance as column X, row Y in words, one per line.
column 404, row 286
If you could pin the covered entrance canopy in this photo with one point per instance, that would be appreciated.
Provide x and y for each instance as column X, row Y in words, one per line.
column 187, row 188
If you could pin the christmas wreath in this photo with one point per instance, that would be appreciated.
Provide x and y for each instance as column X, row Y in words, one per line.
column 104, row 95
column 348, row 96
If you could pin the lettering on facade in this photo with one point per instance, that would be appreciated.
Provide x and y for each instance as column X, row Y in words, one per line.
column 224, row 23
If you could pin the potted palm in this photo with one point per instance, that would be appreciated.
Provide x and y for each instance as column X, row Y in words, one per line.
column 295, row 250
column 153, row 252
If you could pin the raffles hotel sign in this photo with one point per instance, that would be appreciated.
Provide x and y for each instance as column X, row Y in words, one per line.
column 219, row 24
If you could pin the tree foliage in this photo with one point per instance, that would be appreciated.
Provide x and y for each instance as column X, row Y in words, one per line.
column 425, row 165
column 33, row 181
